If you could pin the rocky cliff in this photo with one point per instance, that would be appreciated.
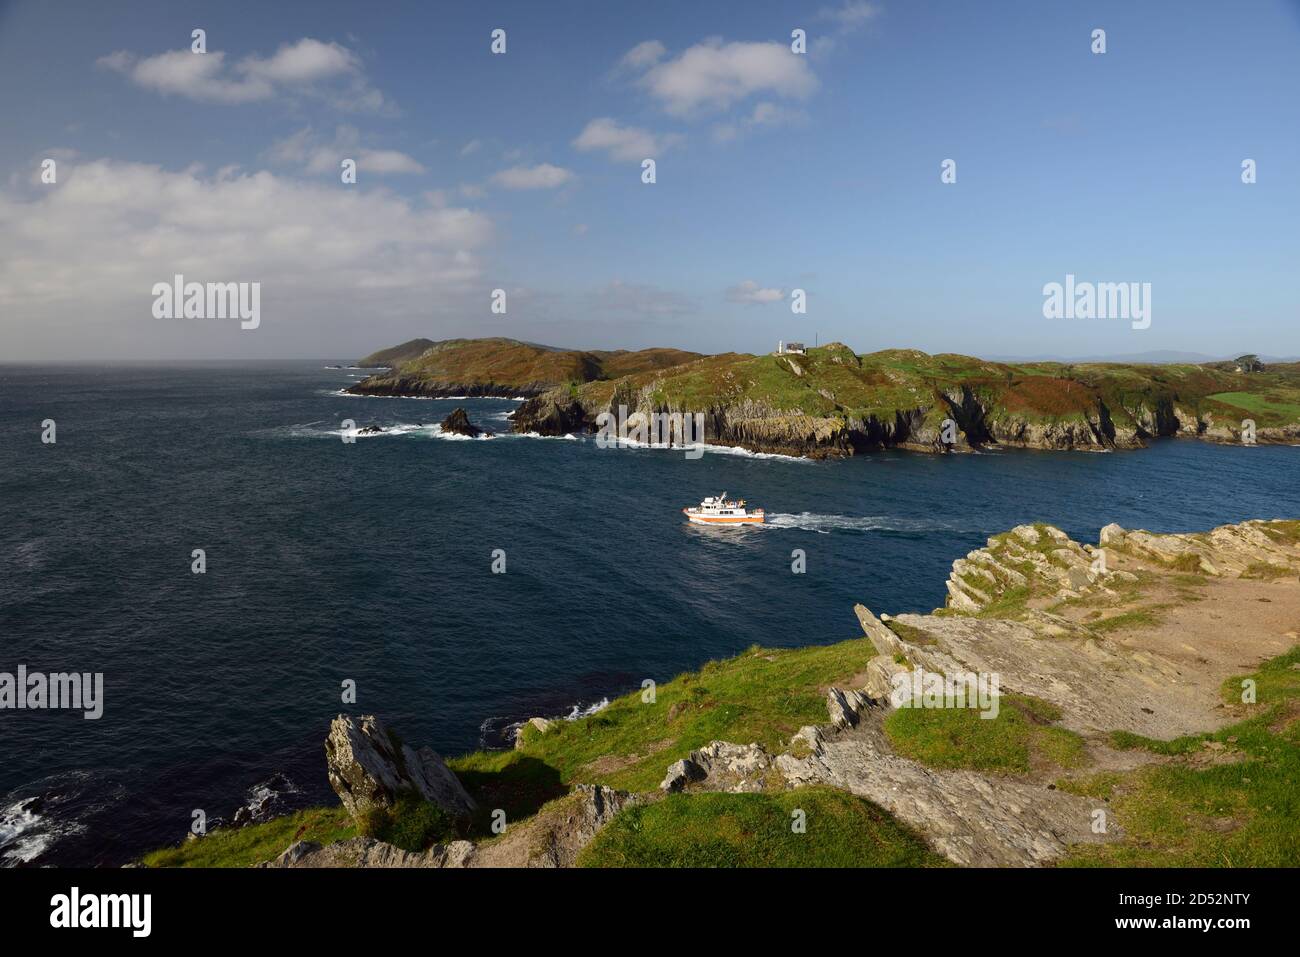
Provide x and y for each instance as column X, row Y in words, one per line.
column 831, row 402
column 1133, row 636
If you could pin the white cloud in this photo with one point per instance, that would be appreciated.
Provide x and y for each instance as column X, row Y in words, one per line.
column 314, row 155
column 307, row 67
column 624, row 143
column 541, row 176
column 473, row 146
column 851, row 15
column 752, row 294
column 643, row 55
column 388, row 162
column 848, row 18
column 78, row 260
column 714, row 75
column 197, row 76
column 764, row 116
column 306, row 61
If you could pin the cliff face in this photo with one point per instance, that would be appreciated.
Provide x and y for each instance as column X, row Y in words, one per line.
column 1134, row 636
column 831, row 402
column 820, row 423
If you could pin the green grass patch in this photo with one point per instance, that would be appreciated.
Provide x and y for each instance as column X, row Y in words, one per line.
column 1189, row 562
column 1270, row 407
column 762, row 695
column 1266, row 571
column 757, row 830
column 1020, row 738
column 1011, row 603
column 1243, row 811
column 910, row 633
column 413, row 824
column 245, row 846
column 1137, row 618
column 1101, row 785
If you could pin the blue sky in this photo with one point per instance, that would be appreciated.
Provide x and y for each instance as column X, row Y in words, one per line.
column 774, row 171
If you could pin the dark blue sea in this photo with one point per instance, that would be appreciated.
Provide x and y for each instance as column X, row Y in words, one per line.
column 372, row 562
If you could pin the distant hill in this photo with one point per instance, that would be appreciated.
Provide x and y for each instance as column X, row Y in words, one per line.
column 500, row 367
column 396, row 355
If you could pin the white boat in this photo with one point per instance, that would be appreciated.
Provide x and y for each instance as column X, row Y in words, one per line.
column 721, row 510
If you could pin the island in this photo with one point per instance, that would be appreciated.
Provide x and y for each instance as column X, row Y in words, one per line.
column 829, row 401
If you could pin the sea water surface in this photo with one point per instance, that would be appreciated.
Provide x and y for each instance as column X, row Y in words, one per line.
column 372, row 562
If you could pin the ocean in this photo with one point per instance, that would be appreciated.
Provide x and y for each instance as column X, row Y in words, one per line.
column 371, row 562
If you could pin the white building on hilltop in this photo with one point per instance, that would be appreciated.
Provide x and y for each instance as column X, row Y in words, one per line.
column 790, row 349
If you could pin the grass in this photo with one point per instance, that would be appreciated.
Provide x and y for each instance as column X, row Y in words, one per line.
column 910, row 633
column 1267, row 571
column 245, row 846
column 412, row 824
column 1021, row 738
column 1186, row 812
column 1270, row 407
column 837, row 385
column 762, row 695
column 757, row 830
column 1241, row 811
column 1127, row 621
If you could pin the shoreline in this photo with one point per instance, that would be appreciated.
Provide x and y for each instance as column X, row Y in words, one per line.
column 1269, row 436
column 1062, row 665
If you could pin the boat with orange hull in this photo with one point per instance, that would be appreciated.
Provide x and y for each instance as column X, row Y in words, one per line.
column 720, row 510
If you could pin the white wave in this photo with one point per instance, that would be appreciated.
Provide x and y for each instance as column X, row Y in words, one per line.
column 578, row 711
column 631, row 443
column 537, row 435
column 510, row 732
column 406, row 428
column 747, row 453
column 25, row 834
column 825, row 524
column 344, row 394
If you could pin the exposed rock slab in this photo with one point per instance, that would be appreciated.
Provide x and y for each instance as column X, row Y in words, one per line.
column 970, row 818
column 368, row 769
column 721, row 766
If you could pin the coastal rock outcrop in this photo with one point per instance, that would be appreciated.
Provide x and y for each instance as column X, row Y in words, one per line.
column 721, row 766
column 369, row 768
column 1229, row 550
column 458, row 423
column 553, row 838
column 972, row 819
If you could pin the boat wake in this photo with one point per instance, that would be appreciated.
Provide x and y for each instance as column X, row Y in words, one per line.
column 825, row 524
